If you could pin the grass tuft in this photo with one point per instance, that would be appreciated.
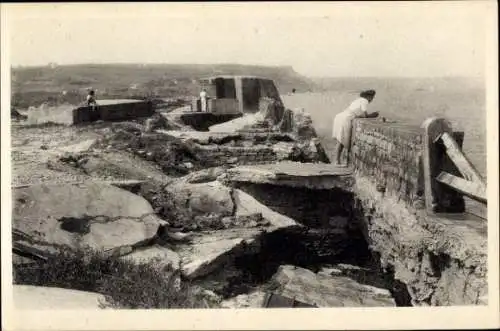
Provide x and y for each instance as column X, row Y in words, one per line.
column 124, row 284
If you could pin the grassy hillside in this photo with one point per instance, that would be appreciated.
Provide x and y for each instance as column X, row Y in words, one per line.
column 31, row 86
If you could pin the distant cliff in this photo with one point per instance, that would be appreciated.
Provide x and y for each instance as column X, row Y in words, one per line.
column 32, row 86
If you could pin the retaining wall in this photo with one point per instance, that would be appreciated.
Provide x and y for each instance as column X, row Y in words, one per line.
column 441, row 258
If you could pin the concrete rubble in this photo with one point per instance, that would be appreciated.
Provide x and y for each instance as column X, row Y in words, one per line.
column 327, row 291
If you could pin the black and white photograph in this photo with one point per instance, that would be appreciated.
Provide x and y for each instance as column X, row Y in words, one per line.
column 164, row 162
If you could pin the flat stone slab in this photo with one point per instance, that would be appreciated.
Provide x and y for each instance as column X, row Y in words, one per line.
column 39, row 297
column 327, row 291
column 295, row 174
column 209, row 250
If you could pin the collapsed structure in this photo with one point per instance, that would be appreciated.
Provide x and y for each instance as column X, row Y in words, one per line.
column 268, row 219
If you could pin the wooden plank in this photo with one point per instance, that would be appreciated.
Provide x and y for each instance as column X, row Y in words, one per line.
column 431, row 160
column 473, row 190
column 463, row 164
column 27, row 251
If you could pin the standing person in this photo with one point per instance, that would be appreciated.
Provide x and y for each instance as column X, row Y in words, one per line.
column 203, row 99
column 342, row 123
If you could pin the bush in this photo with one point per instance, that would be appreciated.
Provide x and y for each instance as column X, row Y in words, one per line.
column 124, row 284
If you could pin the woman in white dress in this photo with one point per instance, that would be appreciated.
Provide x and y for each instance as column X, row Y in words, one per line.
column 203, row 100
column 342, row 123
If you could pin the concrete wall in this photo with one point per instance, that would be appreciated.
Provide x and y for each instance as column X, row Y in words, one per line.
column 119, row 111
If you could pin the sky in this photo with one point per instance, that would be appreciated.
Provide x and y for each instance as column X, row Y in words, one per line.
column 317, row 39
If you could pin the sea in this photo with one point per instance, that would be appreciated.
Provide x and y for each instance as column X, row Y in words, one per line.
column 460, row 100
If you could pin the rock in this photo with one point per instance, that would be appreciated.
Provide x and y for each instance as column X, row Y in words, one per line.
column 92, row 215
column 271, row 110
column 208, row 295
column 188, row 165
column 159, row 256
column 203, row 198
column 15, row 115
column 244, row 221
column 303, row 125
column 193, row 207
column 232, row 160
column 247, row 207
column 204, row 175
column 327, row 291
column 130, row 127
column 38, row 297
column 156, row 122
column 284, row 150
column 44, row 147
column 253, row 299
column 80, row 147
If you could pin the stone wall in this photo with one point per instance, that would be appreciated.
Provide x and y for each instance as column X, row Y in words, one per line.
column 389, row 155
column 440, row 258
column 216, row 155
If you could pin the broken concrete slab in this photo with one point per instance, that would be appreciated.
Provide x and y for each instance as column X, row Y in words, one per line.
column 39, row 297
column 77, row 216
column 238, row 124
column 295, row 174
column 327, row 291
column 247, row 205
column 209, row 250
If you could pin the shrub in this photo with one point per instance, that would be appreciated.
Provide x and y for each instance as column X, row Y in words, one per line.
column 124, row 284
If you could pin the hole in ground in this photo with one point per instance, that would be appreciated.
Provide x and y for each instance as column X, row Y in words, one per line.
column 305, row 249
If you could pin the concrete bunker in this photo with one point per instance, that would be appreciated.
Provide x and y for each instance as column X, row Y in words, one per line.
column 236, row 94
column 114, row 110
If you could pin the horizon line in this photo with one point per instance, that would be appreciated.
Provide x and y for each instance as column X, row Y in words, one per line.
column 21, row 66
